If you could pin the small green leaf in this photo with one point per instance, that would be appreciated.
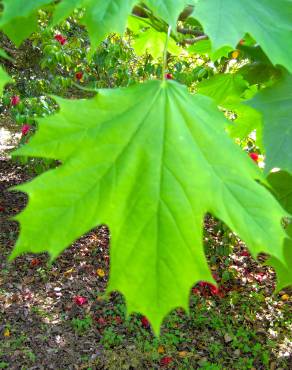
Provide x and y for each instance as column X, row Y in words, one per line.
column 254, row 53
column 149, row 161
column 225, row 89
column 228, row 90
column 247, row 120
column 205, row 47
column 152, row 41
column 201, row 47
column 258, row 73
column 168, row 10
column 4, row 55
column 260, row 69
column 4, row 79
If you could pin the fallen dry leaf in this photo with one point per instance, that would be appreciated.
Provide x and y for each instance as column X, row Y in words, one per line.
column 161, row 349
column 227, row 338
column 100, row 273
column 69, row 272
column 285, row 297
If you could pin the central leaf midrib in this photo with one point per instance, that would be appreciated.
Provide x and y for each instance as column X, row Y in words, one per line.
column 160, row 185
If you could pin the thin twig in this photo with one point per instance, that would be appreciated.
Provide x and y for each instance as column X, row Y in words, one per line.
column 165, row 53
column 194, row 40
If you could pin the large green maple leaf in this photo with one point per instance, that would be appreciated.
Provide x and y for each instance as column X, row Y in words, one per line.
column 149, row 161
column 19, row 18
column 268, row 21
column 20, row 8
column 101, row 17
column 229, row 90
column 64, row 9
column 275, row 104
column 147, row 39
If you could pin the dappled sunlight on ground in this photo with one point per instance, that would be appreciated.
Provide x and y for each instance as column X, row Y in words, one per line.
column 8, row 140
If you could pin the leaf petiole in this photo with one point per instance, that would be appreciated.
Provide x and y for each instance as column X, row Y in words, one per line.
column 165, row 53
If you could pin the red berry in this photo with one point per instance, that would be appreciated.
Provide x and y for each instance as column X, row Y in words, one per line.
column 144, row 321
column 203, row 284
column 195, row 291
column 25, row 129
column 79, row 75
column 215, row 276
column 118, row 320
column 106, row 258
column 165, row 361
column 101, row 321
column 214, row 290
column 254, row 157
column 14, row 100
column 35, row 262
column 169, row 76
column 260, row 276
column 61, row 39
column 209, row 287
column 58, row 37
column 80, row 301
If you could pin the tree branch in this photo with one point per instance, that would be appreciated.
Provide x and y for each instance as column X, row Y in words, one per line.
column 195, row 39
column 187, row 31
